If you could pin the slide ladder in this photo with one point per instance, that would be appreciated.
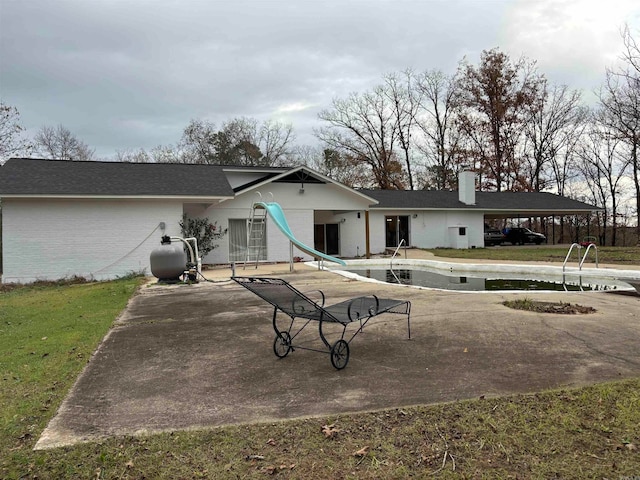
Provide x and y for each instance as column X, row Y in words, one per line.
column 255, row 235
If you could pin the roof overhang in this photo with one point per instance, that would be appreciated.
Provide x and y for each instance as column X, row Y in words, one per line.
column 183, row 198
column 506, row 213
column 231, row 168
column 495, row 213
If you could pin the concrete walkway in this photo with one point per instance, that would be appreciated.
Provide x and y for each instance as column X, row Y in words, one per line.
column 200, row 356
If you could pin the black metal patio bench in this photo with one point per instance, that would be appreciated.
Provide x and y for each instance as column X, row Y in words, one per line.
column 295, row 304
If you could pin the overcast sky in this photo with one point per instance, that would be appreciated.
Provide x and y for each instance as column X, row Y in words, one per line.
column 125, row 74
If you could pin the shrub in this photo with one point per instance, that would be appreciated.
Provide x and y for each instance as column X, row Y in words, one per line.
column 205, row 232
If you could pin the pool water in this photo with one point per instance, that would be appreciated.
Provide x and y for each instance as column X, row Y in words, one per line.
column 477, row 282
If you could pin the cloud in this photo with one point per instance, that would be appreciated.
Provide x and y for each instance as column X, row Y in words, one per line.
column 124, row 75
column 572, row 40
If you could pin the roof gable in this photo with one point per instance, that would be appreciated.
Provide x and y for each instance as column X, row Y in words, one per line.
column 305, row 175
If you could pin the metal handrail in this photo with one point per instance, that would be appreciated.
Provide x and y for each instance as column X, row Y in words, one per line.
column 587, row 251
column 396, row 252
column 566, row 259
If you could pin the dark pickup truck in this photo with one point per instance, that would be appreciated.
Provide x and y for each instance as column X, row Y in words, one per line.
column 521, row 235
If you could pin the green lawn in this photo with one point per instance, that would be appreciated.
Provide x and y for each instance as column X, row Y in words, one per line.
column 47, row 335
column 613, row 255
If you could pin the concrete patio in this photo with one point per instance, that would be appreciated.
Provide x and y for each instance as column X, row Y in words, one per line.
column 200, row 356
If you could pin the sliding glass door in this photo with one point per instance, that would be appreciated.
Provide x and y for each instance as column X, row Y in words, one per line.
column 397, row 229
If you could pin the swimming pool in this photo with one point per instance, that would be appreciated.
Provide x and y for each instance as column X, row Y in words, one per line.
column 476, row 278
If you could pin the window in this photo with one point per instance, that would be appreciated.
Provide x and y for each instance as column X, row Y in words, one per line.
column 238, row 229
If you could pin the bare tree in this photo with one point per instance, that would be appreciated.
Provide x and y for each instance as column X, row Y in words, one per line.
column 496, row 100
column 435, row 119
column 198, row 142
column 60, row 144
column 405, row 101
column 620, row 104
column 364, row 127
column 133, row 156
column 340, row 167
column 240, row 141
column 631, row 54
column 11, row 140
column 564, row 162
column 603, row 165
column 275, row 141
column 556, row 121
column 158, row 154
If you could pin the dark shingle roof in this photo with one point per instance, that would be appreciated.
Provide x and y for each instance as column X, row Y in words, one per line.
column 23, row 176
column 485, row 201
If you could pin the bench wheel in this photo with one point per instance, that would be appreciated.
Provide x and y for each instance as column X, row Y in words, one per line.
column 340, row 354
column 282, row 344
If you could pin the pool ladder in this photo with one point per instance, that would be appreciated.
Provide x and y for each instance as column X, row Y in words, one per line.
column 394, row 256
column 580, row 261
column 396, row 252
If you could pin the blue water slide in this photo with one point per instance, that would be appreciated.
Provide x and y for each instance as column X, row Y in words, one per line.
column 277, row 215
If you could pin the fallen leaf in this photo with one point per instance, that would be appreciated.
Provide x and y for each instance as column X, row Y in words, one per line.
column 330, row 430
column 271, row 442
column 130, row 464
column 630, row 446
column 362, row 452
column 254, row 457
column 465, row 350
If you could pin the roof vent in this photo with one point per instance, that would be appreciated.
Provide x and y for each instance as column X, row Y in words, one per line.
column 467, row 188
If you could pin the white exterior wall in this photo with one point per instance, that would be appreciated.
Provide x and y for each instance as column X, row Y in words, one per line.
column 351, row 231
column 377, row 228
column 430, row 229
column 299, row 210
column 100, row 239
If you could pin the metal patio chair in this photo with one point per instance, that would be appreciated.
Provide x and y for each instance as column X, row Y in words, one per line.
column 295, row 304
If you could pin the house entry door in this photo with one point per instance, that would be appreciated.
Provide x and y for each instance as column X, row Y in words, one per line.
column 397, row 229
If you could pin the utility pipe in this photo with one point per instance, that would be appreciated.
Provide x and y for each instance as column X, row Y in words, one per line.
column 195, row 258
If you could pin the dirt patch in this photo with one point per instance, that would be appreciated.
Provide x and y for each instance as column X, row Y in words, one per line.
column 548, row 307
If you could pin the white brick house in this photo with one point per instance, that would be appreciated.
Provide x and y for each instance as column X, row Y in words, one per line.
column 102, row 219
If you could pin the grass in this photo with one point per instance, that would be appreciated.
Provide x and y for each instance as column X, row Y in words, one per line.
column 47, row 335
column 612, row 255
